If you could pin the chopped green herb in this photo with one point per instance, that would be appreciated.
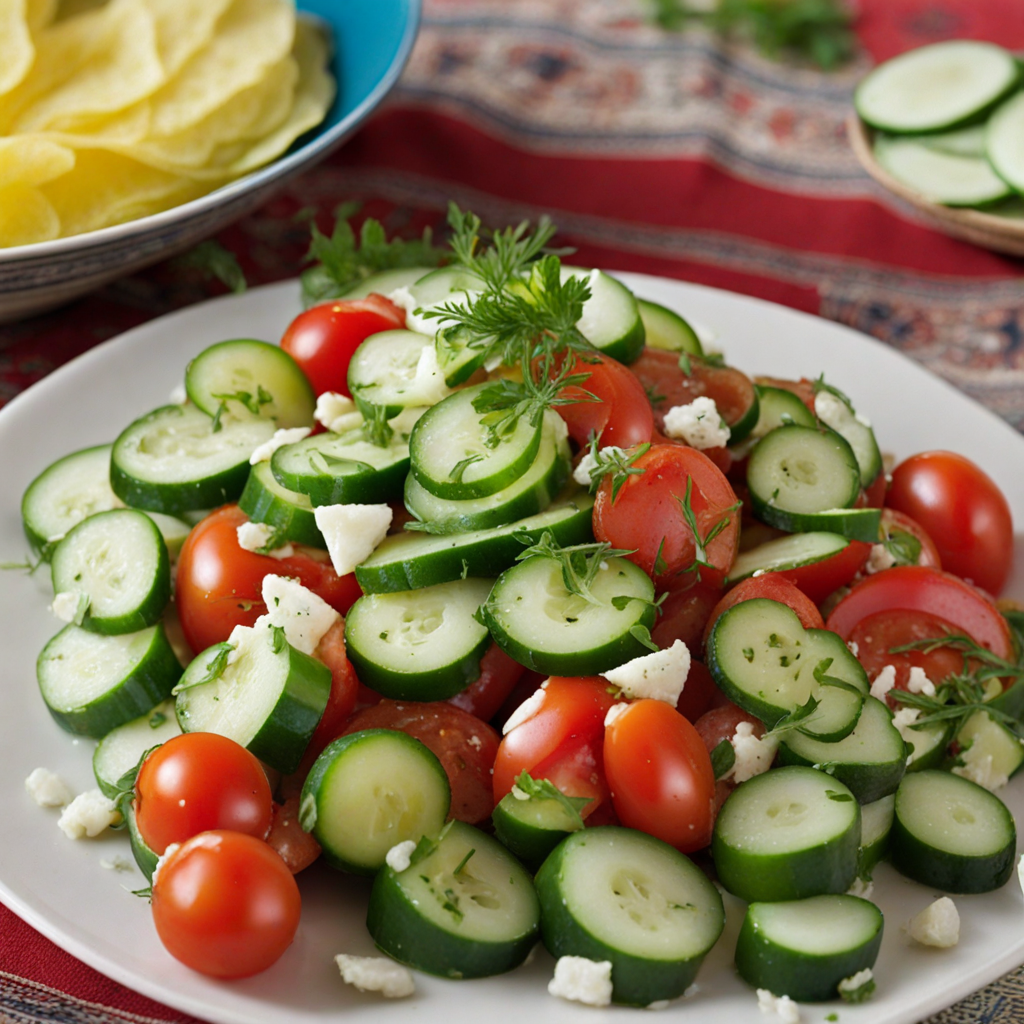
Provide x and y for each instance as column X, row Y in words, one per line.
column 723, row 758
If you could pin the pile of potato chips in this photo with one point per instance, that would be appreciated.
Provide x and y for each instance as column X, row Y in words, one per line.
column 117, row 109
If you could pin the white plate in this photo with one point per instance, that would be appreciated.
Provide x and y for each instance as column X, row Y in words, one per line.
column 60, row 888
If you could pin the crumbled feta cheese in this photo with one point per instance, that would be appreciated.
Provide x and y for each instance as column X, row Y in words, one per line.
column 861, row 887
column 116, row 863
column 979, row 768
column 475, row 742
column 352, row 532
column 67, row 605
column 304, row 616
column 919, row 682
column 903, row 720
column 880, row 558
column 660, row 675
column 518, row 794
column 287, row 435
column 376, row 974
column 254, row 536
column 659, row 1004
column 856, row 981
column 524, row 712
column 48, row 789
column 399, row 857
column 178, row 395
column 171, row 850
column 698, row 424
column 883, row 682
column 614, row 713
column 429, row 381
column 754, row 754
column 582, row 981
column 587, row 465
column 782, row 1006
column 937, row 925
column 89, row 814
column 854, row 648
column 332, row 406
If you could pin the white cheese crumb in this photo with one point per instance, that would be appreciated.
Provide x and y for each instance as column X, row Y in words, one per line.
column 980, row 769
column 376, row 974
column 287, row 435
column 861, row 888
column 171, row 850
column 332, row 406
column 884, row 682
column 614, row 712
column 304, row 616
column 89, row 814
column 253, row 536
column 660, row 675
column 854, row 648
column 399, row 857
column 880, row 558
column 699, row 424
column 587, row 465
column 352, row 532
column 582, row 981
column 903, row 720
column 429, row 380
column 937, row 925
column 782, row 1006
column 66, row 605
column 754, row 754
column 830, row 408
column 475, row 742
column 178, row 395
column 919, row 682
column 518, row 794
column 48, row 789
column 856, row 981
column 524, row 712
column 659, row 1004
column 116, row 863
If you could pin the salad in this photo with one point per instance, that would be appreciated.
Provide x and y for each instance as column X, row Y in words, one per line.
column 614, row 557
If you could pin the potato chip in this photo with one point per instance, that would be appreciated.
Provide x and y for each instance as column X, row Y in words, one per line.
column 26, row 217
column 251, row 36
column 16, row 48
column 40, row 13
column 124, row 69
column 31, row 160
column 183, row 27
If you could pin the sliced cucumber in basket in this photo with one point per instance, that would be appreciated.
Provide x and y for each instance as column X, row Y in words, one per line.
column 1004, row 142
column 936, row 88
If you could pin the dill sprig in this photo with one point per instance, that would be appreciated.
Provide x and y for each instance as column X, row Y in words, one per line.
column 580, row 563
column 701, row 541
column 618, row 463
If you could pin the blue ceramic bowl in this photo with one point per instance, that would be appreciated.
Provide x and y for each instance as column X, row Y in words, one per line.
column 372, row 42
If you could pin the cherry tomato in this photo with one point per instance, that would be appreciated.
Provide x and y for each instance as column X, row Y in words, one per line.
column 721, row 457
column 465, row 746
column 623, row 415
column 498, row 675
column 720, row 724
column 219, row 583
column 684, row 613
column 322, row 339
column 962, row 510
column 562, row 741
column 699, row 692
column 647, row 517
column 819, row 579
column 900, row 530
column 775, row 587
column 196, row 782
column 660, row 775
column 296, row 847
column 873, row 496
column 668, row 385
column 225, row 904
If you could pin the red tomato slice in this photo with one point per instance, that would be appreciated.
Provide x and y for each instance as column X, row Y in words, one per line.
column 776, row 587
column 465, row 746
column 219, row 584
column 683, row 615
column 667, row 385
column 647, row 516
column 962, row 510
column 699, row 692
column 819, row 579
column 562, row 741
column 296, row 847
column 322, row 339
column 498, row 676
column 623, row 415
column 225, row 904
column 660, row 775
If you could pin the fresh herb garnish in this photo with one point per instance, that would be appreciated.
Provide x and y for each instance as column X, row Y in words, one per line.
column 580, row 563
column 618, row 463
column 213, row 260
column 541, row 789
column 859, row 994
column 214, row 668
column 252, row 403
column 794, row 718
column 376, row 429
column 723, row 758
column 701, row 541
column 904, row 547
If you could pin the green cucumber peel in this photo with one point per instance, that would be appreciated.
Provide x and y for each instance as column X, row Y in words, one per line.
column 542, row 789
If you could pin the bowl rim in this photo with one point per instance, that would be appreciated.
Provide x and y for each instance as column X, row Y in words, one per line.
column 314, row 150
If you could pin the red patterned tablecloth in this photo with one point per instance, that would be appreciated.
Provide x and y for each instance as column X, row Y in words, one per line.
column 656, row 152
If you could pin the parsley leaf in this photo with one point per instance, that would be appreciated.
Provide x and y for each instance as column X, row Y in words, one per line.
column 214, row 668
column 723, row 758
column 541, row 789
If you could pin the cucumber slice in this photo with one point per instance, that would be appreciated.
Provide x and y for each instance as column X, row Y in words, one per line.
column 615, row 894
column 246, row 377
column 1004, row 142
column 369, row 791
column 407, row 561
column 765, row 661
column 988, row 750
column 792, row 552
column 450, row 456
column 146, row 857
column 805, row 948
column 66, row 492
column 803, row 479
column 951, row 834
column 776, row 407
column 875, row 825
column 532, row 827
column 118, row 561
column 384, row 282
column 534, row 619
column 421, row 644
column 397, row 370
column 611, row 319
column 531, row 493
column 870, row 761
column 122, row 748
column 927, row 745
column 959, row 142
column 837, row 414
column 464, row 909
column 666, row 329
column 290, row 513
column 936, row 88
column 257, row 690
column 787, row 834
column 447, row 285
column 173, row 461
column 946, row 178
column 93, row 683
column 332, row 469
